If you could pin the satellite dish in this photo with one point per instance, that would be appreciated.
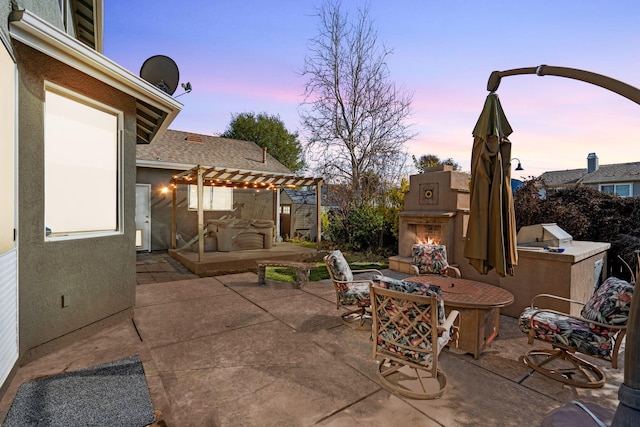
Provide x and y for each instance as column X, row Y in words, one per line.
column 162, row 72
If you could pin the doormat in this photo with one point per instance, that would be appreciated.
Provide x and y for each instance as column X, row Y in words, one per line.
column 112, row 394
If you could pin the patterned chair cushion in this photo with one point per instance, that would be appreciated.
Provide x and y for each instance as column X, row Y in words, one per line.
column 339, row 266
column 567, row 331
column 348, row 293
column 354, row 294
column 430, row 259
column 410, row 344
column 610, row 303
column 423, row 353
column 412, row 288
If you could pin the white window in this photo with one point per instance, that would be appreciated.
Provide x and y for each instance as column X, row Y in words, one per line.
column 213, row 198
column 622, row 190
column 81, row 166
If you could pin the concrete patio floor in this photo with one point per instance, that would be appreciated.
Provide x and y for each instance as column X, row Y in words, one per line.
column 223, row 351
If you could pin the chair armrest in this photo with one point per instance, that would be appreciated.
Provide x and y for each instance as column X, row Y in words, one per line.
column 582, row 319
column 370, row 270
column 456, row 270
column 369, row 281
column 448, row 323
column 556, row 298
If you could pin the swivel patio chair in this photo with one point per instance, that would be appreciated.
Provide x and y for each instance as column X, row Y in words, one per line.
column 597, row 332
column 349, row 291
column 410, row 330
column 432, row 259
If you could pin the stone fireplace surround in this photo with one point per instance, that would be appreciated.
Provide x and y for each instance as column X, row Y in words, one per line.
column 436, row 207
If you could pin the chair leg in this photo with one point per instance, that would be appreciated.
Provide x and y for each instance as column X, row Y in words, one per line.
column 570, row 369
column 410, row 381
column 357, row 319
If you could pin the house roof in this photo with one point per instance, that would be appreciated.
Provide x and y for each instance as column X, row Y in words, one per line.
column 182, row 150
column 220, row 161
column 619, row 172
column 565, row 177
column 155, row 109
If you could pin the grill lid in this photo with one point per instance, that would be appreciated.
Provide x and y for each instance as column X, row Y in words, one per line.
column 543, row 235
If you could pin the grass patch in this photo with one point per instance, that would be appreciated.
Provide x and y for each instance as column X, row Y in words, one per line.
column 283, row 274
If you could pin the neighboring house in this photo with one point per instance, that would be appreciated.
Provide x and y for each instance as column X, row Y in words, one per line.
column 70, row 122
column 622, row 179
column 240, row 182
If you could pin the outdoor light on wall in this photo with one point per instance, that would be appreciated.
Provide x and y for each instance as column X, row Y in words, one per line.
column 519, row 167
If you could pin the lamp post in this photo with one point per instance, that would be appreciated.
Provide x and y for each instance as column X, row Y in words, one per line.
column 519, row 167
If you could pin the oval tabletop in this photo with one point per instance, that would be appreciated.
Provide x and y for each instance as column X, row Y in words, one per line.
column 465, row 292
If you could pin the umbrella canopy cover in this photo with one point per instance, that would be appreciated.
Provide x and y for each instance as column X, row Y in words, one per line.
column 491, row 232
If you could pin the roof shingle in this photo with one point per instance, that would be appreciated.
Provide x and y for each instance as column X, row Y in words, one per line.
column 619, row 172
column 188, row 148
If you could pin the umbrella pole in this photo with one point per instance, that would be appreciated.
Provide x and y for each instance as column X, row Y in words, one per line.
column 628, row 412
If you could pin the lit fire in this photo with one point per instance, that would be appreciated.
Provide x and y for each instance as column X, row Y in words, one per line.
column 427, row 241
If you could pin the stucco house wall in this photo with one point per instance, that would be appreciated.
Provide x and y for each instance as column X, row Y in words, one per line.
column 81, row 270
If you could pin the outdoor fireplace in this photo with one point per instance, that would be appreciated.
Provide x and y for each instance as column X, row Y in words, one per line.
column 428, row 233
column 436, row 211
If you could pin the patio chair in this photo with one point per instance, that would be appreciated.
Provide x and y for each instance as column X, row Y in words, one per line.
column 410, row 330
column 597, row 332
column 349, row 291
column 432, row 259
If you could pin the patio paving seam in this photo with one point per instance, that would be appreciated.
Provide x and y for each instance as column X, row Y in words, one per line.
column 519, row 383
column 160, row 346
column 355, row 402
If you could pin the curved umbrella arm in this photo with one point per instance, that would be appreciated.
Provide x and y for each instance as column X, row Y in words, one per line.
column 630, row 92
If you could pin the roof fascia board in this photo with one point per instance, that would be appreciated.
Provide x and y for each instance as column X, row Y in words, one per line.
column 40, row 35
column 210, row 169
column 163, row 165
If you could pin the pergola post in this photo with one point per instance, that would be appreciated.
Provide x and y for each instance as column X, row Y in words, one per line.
column 318, row 211
column 200, row 216
column 174, row 227
column 276, row 212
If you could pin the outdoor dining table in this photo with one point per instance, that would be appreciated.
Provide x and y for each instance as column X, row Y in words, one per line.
column 479, row 306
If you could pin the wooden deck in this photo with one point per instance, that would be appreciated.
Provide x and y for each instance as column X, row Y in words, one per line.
column 236, row 261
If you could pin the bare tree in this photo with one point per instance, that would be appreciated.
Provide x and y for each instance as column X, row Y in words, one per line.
column 354, row 115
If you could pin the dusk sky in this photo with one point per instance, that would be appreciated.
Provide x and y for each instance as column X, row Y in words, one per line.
column 244, row 56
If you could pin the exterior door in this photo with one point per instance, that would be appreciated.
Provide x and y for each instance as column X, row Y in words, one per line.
column 8, row 248
column 143, row 217
column 285, row 221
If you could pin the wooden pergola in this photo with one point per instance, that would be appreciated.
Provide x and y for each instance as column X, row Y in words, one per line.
column 239, row 179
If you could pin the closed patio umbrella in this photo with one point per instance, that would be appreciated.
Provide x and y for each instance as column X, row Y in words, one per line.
column 491, row 232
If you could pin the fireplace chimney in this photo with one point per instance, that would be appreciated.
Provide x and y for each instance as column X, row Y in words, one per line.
column 264, row 154
column 592, row 163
